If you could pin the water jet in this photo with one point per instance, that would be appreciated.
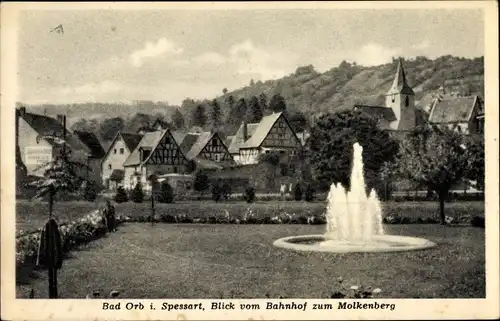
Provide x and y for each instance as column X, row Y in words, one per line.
column 353, row 222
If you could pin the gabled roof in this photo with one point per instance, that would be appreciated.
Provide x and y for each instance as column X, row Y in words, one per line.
column 377, row 112
column 458, row 109
column 149, row 141
column 131, row 140
column 92, row 142
column 46, row 126
column 234, row 147
column 188, row 141
column 400, row 84
column 200, row 143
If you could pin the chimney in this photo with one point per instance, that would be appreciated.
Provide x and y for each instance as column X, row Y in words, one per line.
column 245, row 130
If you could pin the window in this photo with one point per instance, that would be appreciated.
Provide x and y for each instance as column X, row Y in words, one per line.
column 407, row 101
column 114, row 151
column 109, row 166
column 175, row 169
column 122, row 150
column 215, row 143
column 393, row 98
column 217, row 157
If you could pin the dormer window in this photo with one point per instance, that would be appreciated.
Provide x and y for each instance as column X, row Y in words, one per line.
column 407, row 101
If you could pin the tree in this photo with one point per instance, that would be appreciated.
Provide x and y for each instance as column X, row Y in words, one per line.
column 331, row 147
column 201, row 182
column 137, row 194
column 110, row 127
column 238, row 111
column 199, row 117
column 475, row 156
column 217, row 191
column 298, row 121
column 271, row 162
column 277, row 103
column 215, row 115
column 434, row 158
column 224, row 91
column 121, row 195
column 139, row 120
column 263, row 102
column 90, row 191
column 249, row 195
column 178, row 120
column 309, row 194
column 254, row 112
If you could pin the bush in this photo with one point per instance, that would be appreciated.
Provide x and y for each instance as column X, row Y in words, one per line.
column 249, row 194
column 137, row 194
column 90, row 192
column 201, row 182
column 226, row 190
column 297, row 192
column 309, row 195
column 217, row 191
column 121, row 195
column 166, row 193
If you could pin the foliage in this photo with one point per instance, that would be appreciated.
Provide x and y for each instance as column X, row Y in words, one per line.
column 298, row 121
column 90, row 191
column 110, row 127
column 435, row 158
column 137, row 194
column 277, row 103
column 271, row 158
column 249, row 194
column 331, row 147
column 166, row 194
column 201, row 181
column 226, row 190
column 178, row 120
column 309, row 193
column 475, row 166
column 215, row 115
column 297, row 192
column 199, row 117
column 121, row 195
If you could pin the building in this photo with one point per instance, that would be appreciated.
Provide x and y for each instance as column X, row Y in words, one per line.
column 272, row 133
column 399, row 112
column 157, row 153
column 463, row 114
column 38, row 142
column 119, row 150
column 96, row 153
column 207, row 149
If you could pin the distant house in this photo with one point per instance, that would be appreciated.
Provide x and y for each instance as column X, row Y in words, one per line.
column 463, row 114
column 399, row 112
column 272, row 133
column 36, row 144
column 207, row 149
column 119, row 150
column 157, row 153
column 96, row 153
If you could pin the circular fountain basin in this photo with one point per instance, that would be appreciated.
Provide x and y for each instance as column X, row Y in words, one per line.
column 378, row 243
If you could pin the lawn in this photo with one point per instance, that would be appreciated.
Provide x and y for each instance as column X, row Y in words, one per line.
column 33, row 215
column 210, row 261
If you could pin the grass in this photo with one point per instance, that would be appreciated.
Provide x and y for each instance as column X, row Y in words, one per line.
column 209, row 261
column 33, row 215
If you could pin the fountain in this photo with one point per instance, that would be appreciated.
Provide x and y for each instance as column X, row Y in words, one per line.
column 353, row 222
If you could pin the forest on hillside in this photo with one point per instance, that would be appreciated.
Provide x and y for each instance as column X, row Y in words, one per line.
column 303, row 94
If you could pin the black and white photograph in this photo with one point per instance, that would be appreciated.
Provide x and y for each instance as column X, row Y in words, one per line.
column 210, row 154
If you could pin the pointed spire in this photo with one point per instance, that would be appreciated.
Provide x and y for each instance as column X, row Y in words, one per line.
column 400, row 85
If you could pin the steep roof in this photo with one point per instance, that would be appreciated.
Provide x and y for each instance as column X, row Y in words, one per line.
column 238, row 140
column 457, row 109
column 188, row 141
column 400, row 84
column 199, row 144
column 149, row 140
column 261, row 131
column 92, row 142
column 46, row 126
column 131, row 140
column 377, row 112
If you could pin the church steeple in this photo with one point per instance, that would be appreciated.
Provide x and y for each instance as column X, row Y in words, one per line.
column 400, row 85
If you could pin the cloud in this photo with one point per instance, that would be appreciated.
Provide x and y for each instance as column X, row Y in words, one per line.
column 151, row 50
column 210, row 58
column 373, row 54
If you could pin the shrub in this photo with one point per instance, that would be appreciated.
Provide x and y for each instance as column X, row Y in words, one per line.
column 297, row 192
column 249, row 194
column 217, row 191
column 309, row 194
column 166, row 193
column 137, row 194
column 121, row 195
column 201, row 182
column 226, row 190
column 90, row 192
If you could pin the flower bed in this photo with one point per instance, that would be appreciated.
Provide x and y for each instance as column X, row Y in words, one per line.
column 78, row 232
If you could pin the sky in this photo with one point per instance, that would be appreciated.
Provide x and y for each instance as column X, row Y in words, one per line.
column 168, row 55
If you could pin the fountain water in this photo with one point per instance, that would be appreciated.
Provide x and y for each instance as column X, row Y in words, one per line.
column 353, row 221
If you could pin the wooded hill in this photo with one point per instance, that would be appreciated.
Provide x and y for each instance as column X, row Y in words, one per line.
column 306, row 91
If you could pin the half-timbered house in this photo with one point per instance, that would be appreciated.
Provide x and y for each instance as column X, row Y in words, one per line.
column 158, row 153
column 272, row 134
column 208, row 148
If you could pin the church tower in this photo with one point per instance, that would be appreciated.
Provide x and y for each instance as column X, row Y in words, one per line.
column 401, row 99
